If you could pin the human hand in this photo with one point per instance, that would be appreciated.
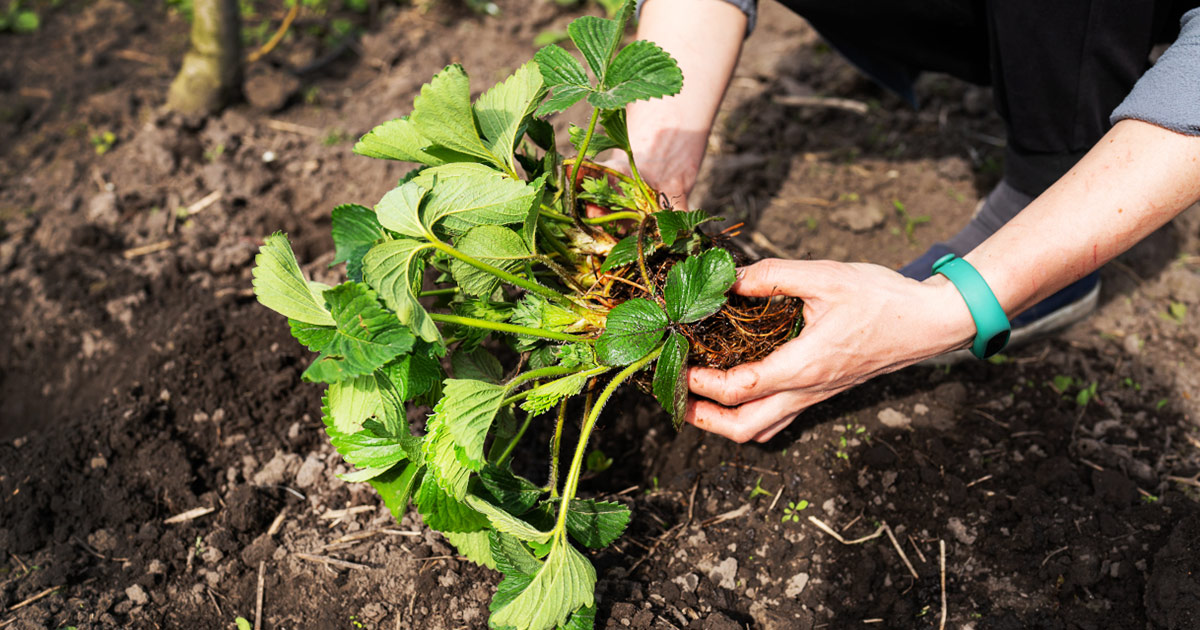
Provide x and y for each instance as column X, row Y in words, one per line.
column 861, row 321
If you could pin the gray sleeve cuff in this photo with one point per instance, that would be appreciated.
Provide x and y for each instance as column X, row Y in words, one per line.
column 1168, row 95
column 749, row 7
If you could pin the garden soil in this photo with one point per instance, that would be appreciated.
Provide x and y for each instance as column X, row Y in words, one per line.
column 163, row 466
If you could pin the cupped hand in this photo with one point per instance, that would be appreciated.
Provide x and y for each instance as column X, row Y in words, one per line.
column 861, row 321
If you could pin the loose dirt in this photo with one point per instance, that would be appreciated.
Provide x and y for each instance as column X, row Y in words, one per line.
column 140, row 381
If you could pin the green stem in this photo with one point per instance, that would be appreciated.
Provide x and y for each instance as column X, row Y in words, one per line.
column 512, row 444
column 555, row 447
column 587, row 139
column 641, row 254
column 612, row 216
column 556, row 244
column 533, row 375
column 515, row 280
column 433, row 292
column 585, row 432
column 508, row 328
column 645, row 188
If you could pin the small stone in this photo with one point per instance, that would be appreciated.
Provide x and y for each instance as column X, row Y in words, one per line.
column 98, row 462
column 137, row 595
column 687, row 582
column 276, row 470
column 858, row 217
column 725, row 573
column 1132, row 344
column 920, row 409
column 894, row 419
column 310, row 472
column 796, row 584
column 103, row 209
column 961, row 532
column 156, row 567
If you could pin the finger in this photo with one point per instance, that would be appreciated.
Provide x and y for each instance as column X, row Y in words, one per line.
column 742, row 423
column 743, row 383
column 774, row 429
column 775, row 276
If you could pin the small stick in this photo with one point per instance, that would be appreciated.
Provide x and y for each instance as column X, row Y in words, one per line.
column 829, row 530
column 345, row 564
column 692, row 499
column 979, row 480
column 754, row 468
column 136, row 55
column 844, row 104
column 135, row 252
column 277, row 523
column 851, row 523
column 900, row 550
column 1192, row 439
column 942, row 566
column 1091, row 464
column 991, row 418
column 400, row 532
column 760, row 239
column 343, row 513
column 917, row 548
column 281, row 125
column 213, row 598
column 1194, row 481
column 730, row 515
column 204, row 202
column 1054, row 553
column 46, row 593
column 776, row 499
column 189, row 515
column 627, row 490
column 258, row 597
column 274, row 41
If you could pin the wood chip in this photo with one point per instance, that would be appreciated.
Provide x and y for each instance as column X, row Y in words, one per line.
column 189, row 515
column 343, row 564
column 204, row 202
column 135, row 252
column 728, row 516
column 280, row 125
column 845, row 104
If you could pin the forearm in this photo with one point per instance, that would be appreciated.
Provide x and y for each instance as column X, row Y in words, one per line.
column 669, row 136
column 1137, row 178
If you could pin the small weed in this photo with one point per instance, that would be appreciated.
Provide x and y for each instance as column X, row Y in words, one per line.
column 910, row 222
column 811, row 223
column 1162, row 402
column 1132, row 384
column 312, row 94
column 335, row 137
column 103, row 141
column 1176, row 312
column 758, row 490
column 356, row 623
column 793, row 510
column 1061, row 383
column 215, row 153
column 19, row 20
column 998, row 359
column 243, row 623
column 597, row 461
column 1149, row 498
column 1086, row 395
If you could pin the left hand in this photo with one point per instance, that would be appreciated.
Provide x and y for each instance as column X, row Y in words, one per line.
column 861, row 321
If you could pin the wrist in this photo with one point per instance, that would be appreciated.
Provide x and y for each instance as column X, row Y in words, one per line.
column 949, row 319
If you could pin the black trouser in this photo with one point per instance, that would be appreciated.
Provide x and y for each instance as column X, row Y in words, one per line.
column 1058, row 68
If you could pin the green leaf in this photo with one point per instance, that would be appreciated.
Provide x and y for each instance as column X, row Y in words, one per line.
column 467, row 410
column 613, row 121
column 442, row 113
column 442, row 457
column 598, row 143
column 396, row 486
column 400, row 209
column 324, row 369
column 512, row 493
column 582, row 619
column 492, row 244
column 242, row 623
column 504, row 110
column 541, row 132
column 504, row 522
column 536, row 311
column 559, row 67
column 565, row 583
column 625, row 252
column 507, row 590
column 366, row 449
column 365, row 337
column 640, row 71
column 400, row 140
column 670, row 376
column 479, row 309
column 444, row 513
column 395, row 418
column 26, row 22
column 476, row 546
column 478, row 364
column 565, row 75
column 393, row 268
column 512, row 556
column 596, row 524
column 696, row 286
column 673, row 224
column 634, row 327
column 597, row 38
column 463, row 196
column 281, row 287
column 348, row 403
column 414, row 374
column 543, row 398
column 354, row 228
column 360, row 475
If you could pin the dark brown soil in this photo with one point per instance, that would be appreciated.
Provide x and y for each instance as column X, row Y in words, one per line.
column 139, row 380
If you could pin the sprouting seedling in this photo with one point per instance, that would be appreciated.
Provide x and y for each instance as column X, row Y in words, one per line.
column 758, row 490
column 793, row 510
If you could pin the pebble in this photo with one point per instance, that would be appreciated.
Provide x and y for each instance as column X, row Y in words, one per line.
column 796, row 584
column 137, row 595
column 894, row 419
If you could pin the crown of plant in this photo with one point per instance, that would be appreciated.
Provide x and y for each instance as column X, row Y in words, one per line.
column 492, row 226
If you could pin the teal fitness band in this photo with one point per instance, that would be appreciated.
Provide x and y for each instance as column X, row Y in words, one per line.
column 991, row 324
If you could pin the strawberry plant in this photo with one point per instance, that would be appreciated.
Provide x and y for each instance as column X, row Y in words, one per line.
column 484, row 246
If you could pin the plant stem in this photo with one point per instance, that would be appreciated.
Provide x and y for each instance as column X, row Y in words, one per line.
column 612, row 216
column 512, row 444
column 515, row 280
column 433, row 292
column 641, row 183
column 555, row 445
column 641, row 254
column 589, row 423
column 587, row 139
column 608, row 170
column 508, row 328
column 532, row 375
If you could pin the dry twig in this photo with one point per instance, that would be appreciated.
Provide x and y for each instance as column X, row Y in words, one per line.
column 942, row 567
column 135, row 252
column 344, row 564
column 189, row 515
column 258, row 597
column 844, row 104
column 829, row 530
column 46, row 593
column 900, row 550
